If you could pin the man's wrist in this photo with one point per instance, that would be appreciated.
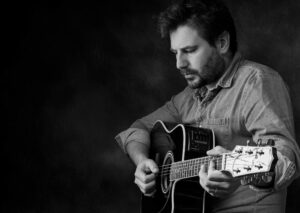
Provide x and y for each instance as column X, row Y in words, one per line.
column 259, row 181
column 137, row 151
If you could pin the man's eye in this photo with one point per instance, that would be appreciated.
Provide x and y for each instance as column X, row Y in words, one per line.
column 190, row 50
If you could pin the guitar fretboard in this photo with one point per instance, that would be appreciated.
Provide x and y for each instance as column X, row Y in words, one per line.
column 190, row 168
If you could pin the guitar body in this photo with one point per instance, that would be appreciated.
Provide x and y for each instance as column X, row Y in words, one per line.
column 173, row 143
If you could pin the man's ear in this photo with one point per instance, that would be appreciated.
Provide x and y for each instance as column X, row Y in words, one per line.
column 223, row 42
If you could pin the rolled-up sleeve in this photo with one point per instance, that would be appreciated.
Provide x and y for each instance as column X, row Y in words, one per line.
column 267, row 115
column 139, row 131
column 132, row 134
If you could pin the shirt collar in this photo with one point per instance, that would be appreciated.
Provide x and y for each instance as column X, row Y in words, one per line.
column 226, row 79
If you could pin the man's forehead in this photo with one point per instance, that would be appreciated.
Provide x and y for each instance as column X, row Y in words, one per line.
column 183, row 36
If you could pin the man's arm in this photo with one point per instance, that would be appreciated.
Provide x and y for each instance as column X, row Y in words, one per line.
column 146, row 169
column 137, row 152
column 135, row 141
column 267, row 114
column 139, row 131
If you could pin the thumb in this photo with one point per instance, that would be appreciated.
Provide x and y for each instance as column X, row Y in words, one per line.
column 212, row 152
column 152, row 166
column 218, row 150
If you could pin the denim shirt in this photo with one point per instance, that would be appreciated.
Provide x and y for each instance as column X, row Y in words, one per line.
column 249, row 102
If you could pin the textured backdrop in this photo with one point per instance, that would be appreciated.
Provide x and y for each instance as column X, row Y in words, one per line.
column 74, row 75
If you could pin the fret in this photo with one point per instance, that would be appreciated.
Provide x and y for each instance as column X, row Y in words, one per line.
column 191, row 168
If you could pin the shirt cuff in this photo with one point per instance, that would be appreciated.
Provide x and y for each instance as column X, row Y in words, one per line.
column 285, row 170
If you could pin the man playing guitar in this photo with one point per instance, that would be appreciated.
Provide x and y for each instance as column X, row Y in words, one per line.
column 239, row 100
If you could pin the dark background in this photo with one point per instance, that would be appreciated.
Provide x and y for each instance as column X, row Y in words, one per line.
column 75, row 74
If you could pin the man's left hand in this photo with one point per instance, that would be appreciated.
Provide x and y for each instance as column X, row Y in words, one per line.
column 217, row 183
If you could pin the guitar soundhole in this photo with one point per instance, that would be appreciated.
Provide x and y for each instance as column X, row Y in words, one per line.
column 165, row 174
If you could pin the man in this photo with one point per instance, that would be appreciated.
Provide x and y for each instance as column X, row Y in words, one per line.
column 238, row 99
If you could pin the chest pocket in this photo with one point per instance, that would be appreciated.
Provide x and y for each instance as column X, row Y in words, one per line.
column 221, row 128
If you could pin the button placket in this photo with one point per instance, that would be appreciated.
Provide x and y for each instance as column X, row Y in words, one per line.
column 200, row 113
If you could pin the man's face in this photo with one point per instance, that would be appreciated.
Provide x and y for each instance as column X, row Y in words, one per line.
column 198, row 61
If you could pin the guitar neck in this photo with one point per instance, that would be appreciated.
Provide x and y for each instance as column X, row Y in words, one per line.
column 243, row 161
column 190, row 168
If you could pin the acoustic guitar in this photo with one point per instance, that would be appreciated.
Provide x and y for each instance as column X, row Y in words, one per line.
column 180, row 150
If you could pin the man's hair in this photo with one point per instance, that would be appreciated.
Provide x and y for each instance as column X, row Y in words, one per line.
column 210, row 17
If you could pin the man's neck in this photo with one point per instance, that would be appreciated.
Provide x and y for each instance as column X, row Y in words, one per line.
column 228, row 57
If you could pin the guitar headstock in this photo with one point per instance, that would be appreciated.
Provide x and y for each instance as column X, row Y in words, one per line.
column 247, row 160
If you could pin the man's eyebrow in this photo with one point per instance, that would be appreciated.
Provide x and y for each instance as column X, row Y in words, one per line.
column 172, row 50
column 183, row 48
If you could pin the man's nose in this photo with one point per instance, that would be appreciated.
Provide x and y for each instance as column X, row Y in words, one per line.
column 181, row 61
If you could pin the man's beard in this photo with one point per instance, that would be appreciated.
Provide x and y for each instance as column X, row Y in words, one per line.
column 210, row 73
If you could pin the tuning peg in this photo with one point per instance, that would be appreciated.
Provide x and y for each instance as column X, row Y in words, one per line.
column 267, row 178
column 271, row 142
column 237, row 171
column 238, row 149
column 259, row 166
column 260, row 152
column 259, row 142
column 249, row 151
column 245, row 180
column 248, row 168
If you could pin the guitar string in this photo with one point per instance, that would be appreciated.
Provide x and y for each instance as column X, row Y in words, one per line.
column 184, row 165
column 196, row 174
column 188, row 167
column 205, row 159
column 195, row 163
column 194, row 169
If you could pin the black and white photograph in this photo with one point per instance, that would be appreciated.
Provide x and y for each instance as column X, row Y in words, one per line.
column 162, row 106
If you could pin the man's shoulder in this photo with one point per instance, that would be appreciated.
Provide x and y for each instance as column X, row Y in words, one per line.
column 251, row 69
column 186, row 95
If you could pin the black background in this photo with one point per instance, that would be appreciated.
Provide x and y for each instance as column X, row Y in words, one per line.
column 75, row 74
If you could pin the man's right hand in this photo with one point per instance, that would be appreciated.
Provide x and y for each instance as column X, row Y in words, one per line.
column 145, row 175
